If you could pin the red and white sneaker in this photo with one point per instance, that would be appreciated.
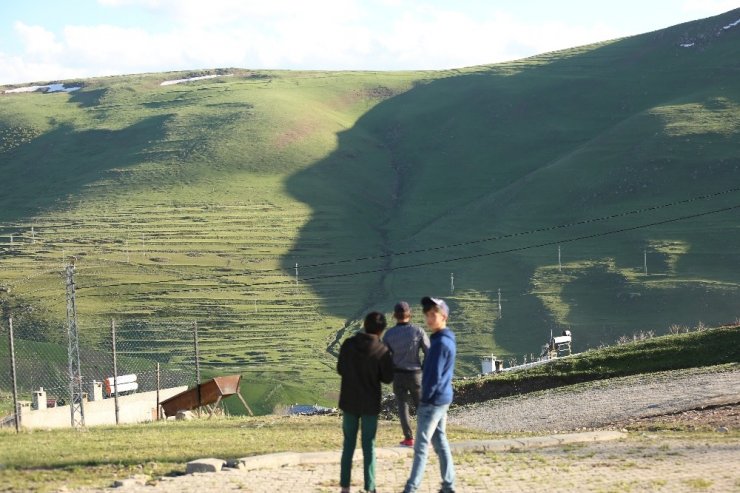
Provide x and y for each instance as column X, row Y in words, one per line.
column 409, row 442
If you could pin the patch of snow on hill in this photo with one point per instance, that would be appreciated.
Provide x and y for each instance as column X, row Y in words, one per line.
column 202, row 77
column 48, row 88
column 731, row 25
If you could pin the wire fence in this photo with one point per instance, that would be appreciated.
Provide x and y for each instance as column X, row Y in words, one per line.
column 149, row 356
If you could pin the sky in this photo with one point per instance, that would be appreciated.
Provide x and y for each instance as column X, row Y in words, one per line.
column 47, row 40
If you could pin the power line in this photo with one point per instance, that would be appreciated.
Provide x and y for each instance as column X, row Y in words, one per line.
column 436, row 248
column 469, row 257
column 511, row 250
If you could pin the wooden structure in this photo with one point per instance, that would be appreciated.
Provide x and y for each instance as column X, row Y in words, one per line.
column 207, row 394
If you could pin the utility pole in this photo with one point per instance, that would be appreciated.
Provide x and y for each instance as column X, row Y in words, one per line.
column 159, row 384
column 13, row 376
column 33, row 236
column 76, row 407
column 499, row 303
column 644, row 260
column 296, row 273
column 196, row 346
column 560, row 264
column 128, row 257
column 11, row 238
column 452, row 282
column 114, row 353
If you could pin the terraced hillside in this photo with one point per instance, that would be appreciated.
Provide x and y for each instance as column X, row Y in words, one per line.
column 197, row 200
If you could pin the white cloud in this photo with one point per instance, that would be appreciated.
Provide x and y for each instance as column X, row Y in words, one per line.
column 321, row 34
column 37, row 40
column 15, row 69
column 444, row 39
column 706, row 8
column 220, row 12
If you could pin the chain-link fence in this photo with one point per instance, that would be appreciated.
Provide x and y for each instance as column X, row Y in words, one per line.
column 148, row 356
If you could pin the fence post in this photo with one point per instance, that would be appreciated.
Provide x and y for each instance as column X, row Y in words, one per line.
column 196, row 344
column 16, row 407
column 115, row 366
column 158, row 385
column 197, row 361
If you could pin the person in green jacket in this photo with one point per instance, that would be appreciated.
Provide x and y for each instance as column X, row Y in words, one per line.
column 364, row 362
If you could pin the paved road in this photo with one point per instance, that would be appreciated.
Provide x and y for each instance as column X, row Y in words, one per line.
column 598, row 404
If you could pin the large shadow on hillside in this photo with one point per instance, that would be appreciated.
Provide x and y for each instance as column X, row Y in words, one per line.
column 368, row 189
column 56, row 167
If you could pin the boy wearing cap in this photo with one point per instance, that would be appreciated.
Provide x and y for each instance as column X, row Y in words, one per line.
column 405, row 342
column 436, row 396
column 364, row 362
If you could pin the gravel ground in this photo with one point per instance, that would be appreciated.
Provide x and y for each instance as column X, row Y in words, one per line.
column 642, row 463
column 601, row 403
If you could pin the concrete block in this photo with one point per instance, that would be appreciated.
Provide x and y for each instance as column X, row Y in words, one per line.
column 205, row 465
column 136, row 408
column 270, row 461
column 322, row 457
column 591, row 436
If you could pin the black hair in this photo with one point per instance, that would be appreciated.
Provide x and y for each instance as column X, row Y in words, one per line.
column 430, row 307
column 375, row 323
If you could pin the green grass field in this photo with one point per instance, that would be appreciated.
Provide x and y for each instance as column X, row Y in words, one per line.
column 196, row 201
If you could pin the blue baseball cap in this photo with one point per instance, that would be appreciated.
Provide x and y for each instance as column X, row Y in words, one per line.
column 428, row 301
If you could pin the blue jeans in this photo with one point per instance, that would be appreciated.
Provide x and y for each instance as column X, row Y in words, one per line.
column 431, row 422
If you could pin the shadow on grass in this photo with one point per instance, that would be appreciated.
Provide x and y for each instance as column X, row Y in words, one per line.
column 457, row 158
column 88, row 98
column 59, row 166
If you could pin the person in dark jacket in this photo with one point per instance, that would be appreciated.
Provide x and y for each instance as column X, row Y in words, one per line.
column 436, row 396
column 364, row 362
column 406, row 341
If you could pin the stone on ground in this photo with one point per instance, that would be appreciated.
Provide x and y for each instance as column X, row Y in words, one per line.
column 184, row 416
column 205, row 465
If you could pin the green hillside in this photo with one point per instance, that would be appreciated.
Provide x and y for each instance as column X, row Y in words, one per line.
column 195, row 202
column 718, row 348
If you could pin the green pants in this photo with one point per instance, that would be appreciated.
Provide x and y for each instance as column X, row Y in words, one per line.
column 350, row 425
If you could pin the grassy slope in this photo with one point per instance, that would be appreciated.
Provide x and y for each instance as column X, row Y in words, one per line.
column 720, row 346
column 556, row 139
column 559, row 138
column 232, row 181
